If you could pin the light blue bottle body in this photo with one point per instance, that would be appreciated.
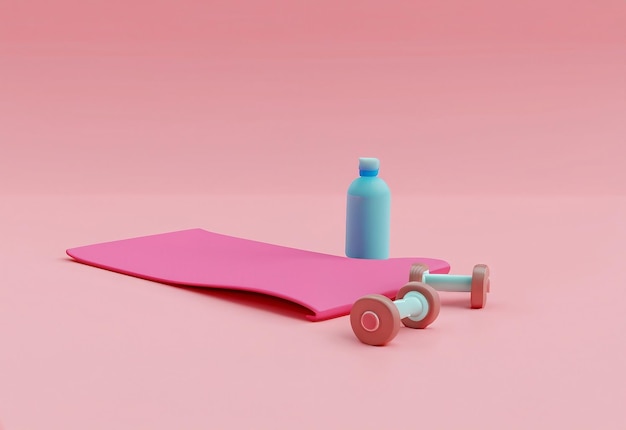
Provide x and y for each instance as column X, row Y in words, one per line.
column 368, row 216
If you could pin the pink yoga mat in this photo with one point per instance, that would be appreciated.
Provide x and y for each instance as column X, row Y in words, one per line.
column 326, row 285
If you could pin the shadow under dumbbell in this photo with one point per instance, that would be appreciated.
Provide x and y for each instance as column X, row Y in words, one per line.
column 350, row 338
column 454, row 300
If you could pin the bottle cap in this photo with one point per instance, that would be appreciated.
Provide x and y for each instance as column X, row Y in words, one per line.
column 368, row 166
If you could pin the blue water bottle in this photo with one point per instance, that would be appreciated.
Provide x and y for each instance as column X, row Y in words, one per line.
column 368, row 213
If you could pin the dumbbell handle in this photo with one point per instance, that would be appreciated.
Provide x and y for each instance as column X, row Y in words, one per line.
column 413, row 305
column 442, row 282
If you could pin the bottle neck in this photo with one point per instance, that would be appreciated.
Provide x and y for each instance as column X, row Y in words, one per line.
column 369, row 173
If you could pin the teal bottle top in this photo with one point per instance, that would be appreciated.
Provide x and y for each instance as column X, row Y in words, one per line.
column 369, row 166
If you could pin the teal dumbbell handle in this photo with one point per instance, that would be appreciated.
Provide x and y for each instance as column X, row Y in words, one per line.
column 462, row 283
column 477, row 284
column 413, row 305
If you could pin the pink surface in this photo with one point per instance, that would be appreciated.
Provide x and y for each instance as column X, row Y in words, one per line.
column 327, row 285
column 500, row 129
column 87, row 348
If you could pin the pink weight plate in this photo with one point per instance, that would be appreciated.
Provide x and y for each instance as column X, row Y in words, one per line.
column 326, row 285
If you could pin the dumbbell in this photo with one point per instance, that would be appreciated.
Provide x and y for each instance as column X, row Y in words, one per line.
column 375, row 319
column 477, row 284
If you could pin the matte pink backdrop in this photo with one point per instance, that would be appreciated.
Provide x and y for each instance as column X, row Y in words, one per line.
column 501, row 130
column 281, row 96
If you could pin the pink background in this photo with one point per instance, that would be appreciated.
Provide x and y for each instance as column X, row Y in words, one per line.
column 500, row 128
column 281, row 96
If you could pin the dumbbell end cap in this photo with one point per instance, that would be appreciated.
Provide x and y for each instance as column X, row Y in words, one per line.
column 480, row 286
column 386, row 315
column 417, row 272
column 431, row 296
